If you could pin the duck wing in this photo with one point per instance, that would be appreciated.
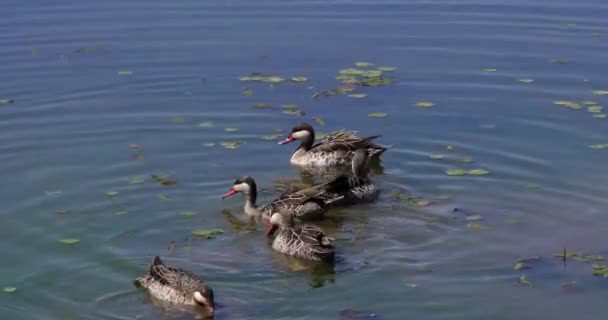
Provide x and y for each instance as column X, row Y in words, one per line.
column 314, row 237
column 176, row 278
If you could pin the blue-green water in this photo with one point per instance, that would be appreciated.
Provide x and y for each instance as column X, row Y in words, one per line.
column 66, row 140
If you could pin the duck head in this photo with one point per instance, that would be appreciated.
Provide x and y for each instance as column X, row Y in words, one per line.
column 203, row 296
column 245, row 184
column 278, row 221
column 303, row 132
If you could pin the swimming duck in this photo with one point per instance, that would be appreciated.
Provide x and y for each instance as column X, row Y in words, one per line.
column 336, row 148
column 355, row 188
column 177, row 286
column 302, row 241
column 306, row 204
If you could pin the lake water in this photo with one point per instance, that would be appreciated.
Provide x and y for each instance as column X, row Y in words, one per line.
column 66, row 142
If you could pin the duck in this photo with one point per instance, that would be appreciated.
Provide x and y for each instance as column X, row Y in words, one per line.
column 306, row 204
column 304, row 241
column 176, row 286
column 354, row 188
column 335, row 149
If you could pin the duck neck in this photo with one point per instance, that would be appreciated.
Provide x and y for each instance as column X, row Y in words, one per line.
column 250, row 199
column 307, row 142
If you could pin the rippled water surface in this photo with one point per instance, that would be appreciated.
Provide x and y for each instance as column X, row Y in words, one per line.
column 66, row 142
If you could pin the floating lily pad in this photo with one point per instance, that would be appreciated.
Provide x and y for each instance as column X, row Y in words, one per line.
column 478, row 172
column 319, row 121
column 231, row 144
column 292, row 112
column 600, row 92
column 599, row 146
column 559, row 61
column 207, row 233
column 273, row 79
column 177, row 120
column 6, row 101
column 372, row 73
column 526, row 80
column 478, row 226
column 466, row 159
column 570, row 25
column 523, row 280
column 520, row 266
column 436, row 156
column 595, row 109
column 363, row 64
column 247, row 92
column 490, row 70
column 351, row 71
column 456, row 172
column 69, row 241
column 599, row 115
column 569, row 104
column 424, row 104
column 206, row 124
column 358, row 95
column 187, row 213
column 125, row 73
column 261, row 105
column 168, row 182
column 386, row 69
column 299, row 79
column 377, row 115
column 164, row 197
column 122, row 212
column 136, row 180
column 290, row 107
column 590, row 103
column 111, row 193
column 474, row 217
column 208, row 144
column 450, row 148
column 231, row 130
column 9, row 289
column 271, row 137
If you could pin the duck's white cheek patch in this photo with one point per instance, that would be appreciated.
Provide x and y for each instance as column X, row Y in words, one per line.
column 301, row 134
column 241, row 187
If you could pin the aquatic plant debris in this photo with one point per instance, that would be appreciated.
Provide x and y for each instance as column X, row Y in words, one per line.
column 69, row 241
column 456, row 172
column 478, row 226
column 424, row 104
column 526, row 80
column 590, row 103
column 125, row 73
column 231, row 144
column 136, row 180
column 600, row 270
column 599, row 146
column 358, row 95
column 490, row 70
column 207, row 233
column 261, row 105
column 600, row 92
column 319, row 121
column 436, row 156
column 6, row 101
column 9, row 289
column 569, row 104
column 231, row 129
column 164, row 197
column 111, row 193
column 299, row 79
column 377, row 115
column 474, row 217
column 478, row 172
column 523, row 280
column 520, row 265
column 595, row 109
column 247, row 92
column 386, row 69
column 205, row 124
column 294, row 112
column 599, row 115
column 122, row 212
column 570, row 25
column 363, row 64
column 187, row 213
column 208, row 144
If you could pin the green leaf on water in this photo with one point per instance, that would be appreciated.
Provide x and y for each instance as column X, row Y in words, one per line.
column 363, row 64
column 207, row 233
column 600, row 92
column 478, row 172
column 231, row 144
column 599, row 115
column 450, row 148
column 520, row 265
column 273, row 79
column 523, row 280
column 69, row 241
column 559, row 61
column 526, row 80
column 352, row 72
column 206, row 124
column 474, row 217
column 466, row 159
column 122, row 212
column 111, row 193
column 187, row 213
column 386, row 69
column 247, row 92
column 357, row 95
column 319, row 121
column 293, row 112
column 290, row 107
column 261, row 105
column 424, row 104
column 125, row 73
column 595, row 109
column 590, row 103
column 177, row 120
column 570, row 25
column 478, row 226
column 377, row 115
column 231, row 129
column 208, row 144
column 164, row 197
column 6, row 101
column 569, row 104
column 299, row 79
column 136, row 180
column 9, row 289
column 271, row 137
column 490, row 70
column 436, row 156
column 456, row 172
